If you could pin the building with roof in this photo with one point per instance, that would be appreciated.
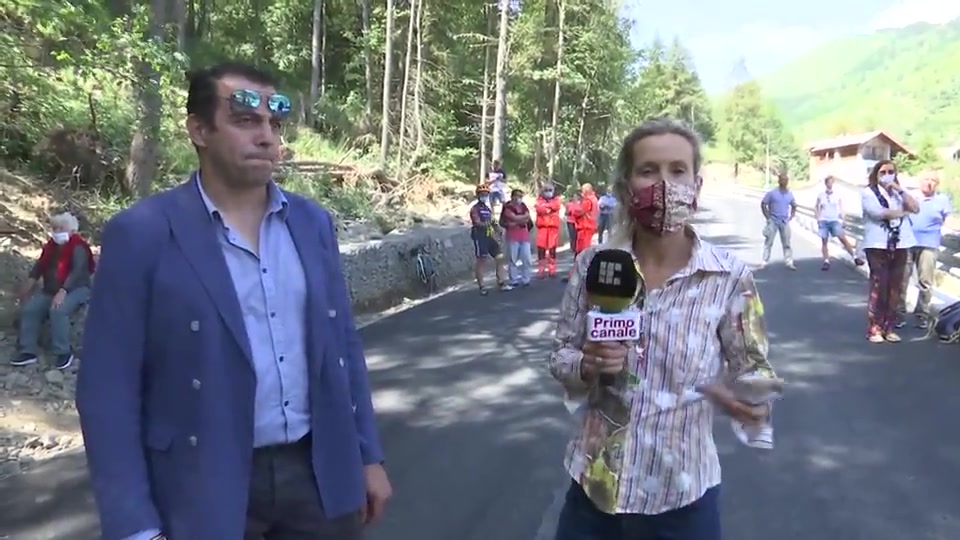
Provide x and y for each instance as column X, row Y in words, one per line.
column 850, row 157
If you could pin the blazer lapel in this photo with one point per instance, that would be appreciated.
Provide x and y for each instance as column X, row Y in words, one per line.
column 196, row 234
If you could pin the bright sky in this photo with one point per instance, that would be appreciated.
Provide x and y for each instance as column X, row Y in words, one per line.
column 769, row 34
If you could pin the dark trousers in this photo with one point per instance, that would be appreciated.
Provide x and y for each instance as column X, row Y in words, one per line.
column 572, row 233
column 887, row 268
column 284, row 501
column 580, row 520
column 603, row 226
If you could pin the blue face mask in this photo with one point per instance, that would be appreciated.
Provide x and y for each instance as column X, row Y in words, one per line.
column 485, row 199
column 548, row 194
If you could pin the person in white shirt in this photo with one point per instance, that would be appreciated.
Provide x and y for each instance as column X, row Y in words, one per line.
column 497, row 182
column 887, row 239
column 828, row 211
column 927, row 225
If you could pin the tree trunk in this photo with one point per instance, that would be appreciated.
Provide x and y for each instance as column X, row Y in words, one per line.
column 583, row 121
column 180, row 21
column 143, row 161
column 405, row 88
column 552, row 158
column 500, row 111
column 418, row 89
column 387, row 75
column 323, row 48
column 485, row 99
column 367, row 65
column 316, row 59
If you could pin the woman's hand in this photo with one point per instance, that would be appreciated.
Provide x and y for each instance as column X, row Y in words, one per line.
column 893, row 214
column 603, row 358
column 723, row 397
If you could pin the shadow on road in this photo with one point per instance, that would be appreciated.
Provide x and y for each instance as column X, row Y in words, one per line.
column 861, row 452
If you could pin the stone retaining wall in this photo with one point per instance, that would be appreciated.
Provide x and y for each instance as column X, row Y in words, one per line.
column 381, row 273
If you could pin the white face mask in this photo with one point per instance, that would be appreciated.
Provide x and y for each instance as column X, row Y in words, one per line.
column 60, row 237
column 887, row 178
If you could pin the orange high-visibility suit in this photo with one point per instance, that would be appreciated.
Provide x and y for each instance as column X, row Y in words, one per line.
column 587, row 222
column 548, row 234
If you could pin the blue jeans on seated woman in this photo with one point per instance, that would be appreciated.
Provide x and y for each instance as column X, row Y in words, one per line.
column 34, row 311
column 580, row 520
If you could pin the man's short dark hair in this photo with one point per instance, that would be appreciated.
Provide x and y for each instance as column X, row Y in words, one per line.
column 202, row 93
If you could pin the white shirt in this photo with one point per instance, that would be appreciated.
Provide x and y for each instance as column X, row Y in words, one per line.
column 875, row 235
column 828, row 204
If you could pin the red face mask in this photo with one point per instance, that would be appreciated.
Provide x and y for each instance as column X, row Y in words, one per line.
column 664, row 207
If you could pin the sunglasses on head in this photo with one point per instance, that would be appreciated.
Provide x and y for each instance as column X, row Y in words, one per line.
column 250, row 100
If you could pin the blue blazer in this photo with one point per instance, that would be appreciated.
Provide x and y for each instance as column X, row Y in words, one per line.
column 166, row 386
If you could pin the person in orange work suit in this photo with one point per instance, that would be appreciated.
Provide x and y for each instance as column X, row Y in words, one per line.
column 548, row 230
column 587, row 220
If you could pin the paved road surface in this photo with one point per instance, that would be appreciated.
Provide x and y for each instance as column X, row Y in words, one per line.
column 474, row 430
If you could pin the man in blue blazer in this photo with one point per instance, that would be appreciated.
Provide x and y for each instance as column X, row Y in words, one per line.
column 223, row 392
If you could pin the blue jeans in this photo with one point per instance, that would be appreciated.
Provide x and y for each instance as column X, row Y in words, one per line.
column 580, row 520
column 37, row 309
column 521, row 269
column 603, row 226
column 829, row 228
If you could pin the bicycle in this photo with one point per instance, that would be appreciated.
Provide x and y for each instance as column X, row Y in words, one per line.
column 426, row 269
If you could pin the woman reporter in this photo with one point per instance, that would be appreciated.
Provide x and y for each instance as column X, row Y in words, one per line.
column 644, row 464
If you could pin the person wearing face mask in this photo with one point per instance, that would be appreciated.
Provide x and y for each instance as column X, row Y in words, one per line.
column 63, row 272
column 644, row 463
column 887, row 240
column 548, row 230
column 516, row 220
column 483, row 232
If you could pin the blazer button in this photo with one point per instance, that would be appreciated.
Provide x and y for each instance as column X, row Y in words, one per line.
column 332, row 313
column 194, row 326
column 354, row 409
column 192, row 440
column 341, row 361
column 196, row 384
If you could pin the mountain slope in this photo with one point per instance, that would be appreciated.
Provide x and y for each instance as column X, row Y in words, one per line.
column 904, row 80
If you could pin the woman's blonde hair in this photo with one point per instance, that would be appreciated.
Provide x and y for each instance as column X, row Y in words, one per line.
column 623, row 226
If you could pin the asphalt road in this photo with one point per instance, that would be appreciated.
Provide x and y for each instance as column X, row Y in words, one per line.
column 474, row 430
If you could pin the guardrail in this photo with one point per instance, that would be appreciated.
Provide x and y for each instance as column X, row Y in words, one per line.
column 948, row 262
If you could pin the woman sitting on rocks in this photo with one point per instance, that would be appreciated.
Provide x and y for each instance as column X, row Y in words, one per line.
column 63, row 274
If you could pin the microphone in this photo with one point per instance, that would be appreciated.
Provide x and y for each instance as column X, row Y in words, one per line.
column 615, row 289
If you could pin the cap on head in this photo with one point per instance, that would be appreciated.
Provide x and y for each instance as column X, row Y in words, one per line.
column 483, row 189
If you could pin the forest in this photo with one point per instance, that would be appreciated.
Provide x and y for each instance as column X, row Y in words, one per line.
column 92, row 92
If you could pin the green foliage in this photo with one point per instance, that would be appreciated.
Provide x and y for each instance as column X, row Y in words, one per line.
column 905, row 81
column 104, row 71
column 755, row 135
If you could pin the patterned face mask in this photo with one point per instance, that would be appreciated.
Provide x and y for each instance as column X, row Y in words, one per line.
column 664, row 207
